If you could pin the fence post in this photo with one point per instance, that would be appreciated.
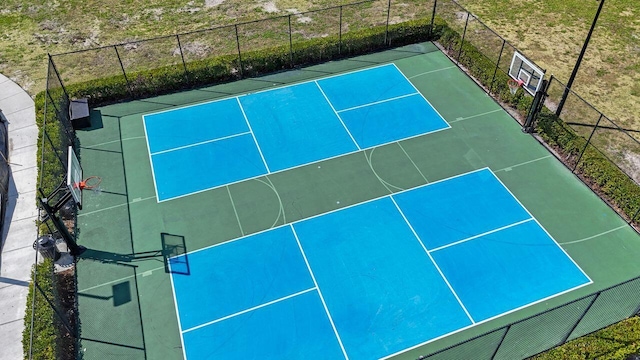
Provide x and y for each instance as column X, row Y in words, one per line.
column 586, row 310
column 290, row 43
column 184, row 65
column 634, row 216
column 340, row 33
column 386, row 31
column 587, row 144
column 495, row 71
column 123, row 71
column 239, row 53
column 464, row 33
column 53, row 64
column 433, row 17
column 495, row 352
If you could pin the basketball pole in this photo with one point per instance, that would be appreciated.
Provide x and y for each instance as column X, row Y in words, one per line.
column 577, row 66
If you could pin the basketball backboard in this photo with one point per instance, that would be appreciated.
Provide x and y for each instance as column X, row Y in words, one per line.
column 523, row 69
column 74, row 177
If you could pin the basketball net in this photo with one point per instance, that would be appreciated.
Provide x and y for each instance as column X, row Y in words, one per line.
column 514, row 85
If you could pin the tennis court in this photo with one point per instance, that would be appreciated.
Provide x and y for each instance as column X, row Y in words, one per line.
column 376, row 207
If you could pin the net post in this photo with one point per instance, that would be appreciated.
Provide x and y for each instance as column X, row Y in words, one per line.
column 495, row 71
column 340, row 32
column 290, row 43
column 575, row 167
column 53, row 65
column 386, row 30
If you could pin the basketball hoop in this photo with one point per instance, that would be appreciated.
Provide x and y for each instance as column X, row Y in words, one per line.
column 514, row 85
column 89, row 183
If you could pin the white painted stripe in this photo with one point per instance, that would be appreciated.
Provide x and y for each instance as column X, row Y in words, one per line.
column 480, row 235
column 252, row 134
column 432, row 71
column 338, row 115
column 432, row 260
column 200, row 143
column 235, row 211
column 326, row 309
column 595, row 236
column 476, row 115
column 525, row 163
column 248, row 310
column 153, row 173
column 378, row 102
column 175, row 303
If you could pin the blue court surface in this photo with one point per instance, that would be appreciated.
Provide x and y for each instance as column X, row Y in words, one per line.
column 373, row 279
column 201, row 147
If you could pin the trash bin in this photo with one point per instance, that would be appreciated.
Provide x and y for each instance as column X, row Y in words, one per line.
column 46, row 245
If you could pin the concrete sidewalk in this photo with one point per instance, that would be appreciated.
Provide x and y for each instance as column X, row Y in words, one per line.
column 19, row 232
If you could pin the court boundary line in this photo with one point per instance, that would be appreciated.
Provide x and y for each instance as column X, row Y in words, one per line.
column 153, row 172
column 324, row 304
column 175, row 305
column 480, row 235
column 487, row 320
column 415, row 234
column 316, row 81
column 338, row 116
column 509, row 168
column 377, row 102
column 275, row 301
column 255, row 141
column 476, row 115
column 542, row 227
column 200, row 143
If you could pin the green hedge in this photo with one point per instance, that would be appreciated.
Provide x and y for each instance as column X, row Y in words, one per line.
column 226, row 68
column 44, row 333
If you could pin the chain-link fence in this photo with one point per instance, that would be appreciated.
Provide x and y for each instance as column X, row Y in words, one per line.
column 154, row 66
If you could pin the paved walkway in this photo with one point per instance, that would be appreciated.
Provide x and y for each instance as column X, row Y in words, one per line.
column 19, row 232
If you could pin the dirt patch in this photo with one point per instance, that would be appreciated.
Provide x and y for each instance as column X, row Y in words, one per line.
column 212, row 3
column 270, row 7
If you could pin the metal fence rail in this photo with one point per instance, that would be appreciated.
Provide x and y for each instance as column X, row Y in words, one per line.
column 248, row 49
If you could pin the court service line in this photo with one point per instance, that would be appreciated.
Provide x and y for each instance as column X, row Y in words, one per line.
column 476, row 115
column 338, row 115
column 480, row 235
column 432, row 259
column 252, row 134
column 594, row 236
column 200, row 143
column 249, row 310
column 235, row 211
column 524, row 163
column 313, row 277
column 378, row 102
column 410, row 159
column 432, row 71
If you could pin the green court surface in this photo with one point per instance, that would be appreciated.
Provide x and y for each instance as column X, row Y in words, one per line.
column 126, row 302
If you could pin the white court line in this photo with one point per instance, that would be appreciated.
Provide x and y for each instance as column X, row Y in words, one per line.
column 338, row 116
column 248, row 310
column 153, row 173
column 480, row 235
column 595, row 236
column 432, row 71
column 200, row 143
column 525, row 163
column 119, row 280
column 414, row 164
column 486, row 320
column 252, row 134
column 377, row 102
column 235, row 211
column 175, row 304
column 476, row 115
column 332, row 211
column 542, row 227
column 326, row 309
column 432, row 260
column 418, row 91
column 116, row 206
